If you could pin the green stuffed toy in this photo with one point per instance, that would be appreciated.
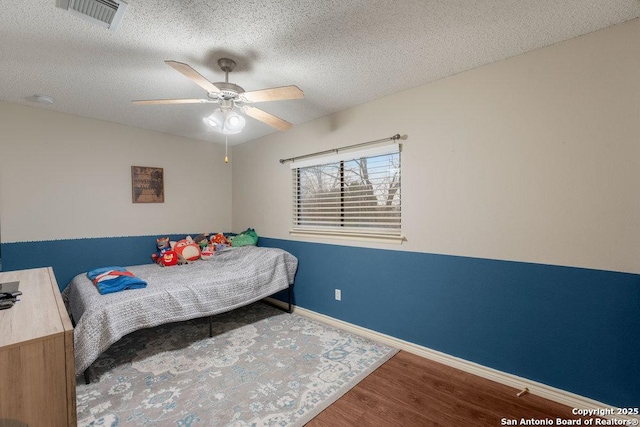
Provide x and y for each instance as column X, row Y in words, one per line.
column 247, row 237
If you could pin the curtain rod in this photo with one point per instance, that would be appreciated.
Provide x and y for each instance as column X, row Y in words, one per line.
column 336, row 150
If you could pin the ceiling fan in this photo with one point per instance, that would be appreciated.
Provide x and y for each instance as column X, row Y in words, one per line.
column 229, row 95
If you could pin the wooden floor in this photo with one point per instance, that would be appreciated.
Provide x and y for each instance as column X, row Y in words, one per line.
column 409, row 390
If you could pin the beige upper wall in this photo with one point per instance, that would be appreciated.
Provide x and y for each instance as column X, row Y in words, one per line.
column 534, row 159
column 64, row 176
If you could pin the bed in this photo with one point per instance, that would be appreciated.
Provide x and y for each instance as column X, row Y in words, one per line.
column 232, row 278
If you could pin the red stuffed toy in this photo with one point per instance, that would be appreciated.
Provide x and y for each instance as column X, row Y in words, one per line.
column 168, row 258
column 219, row 239
column 187, row 250
column 165, row 255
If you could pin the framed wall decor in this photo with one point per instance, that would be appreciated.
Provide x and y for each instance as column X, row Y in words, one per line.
column 147, row 184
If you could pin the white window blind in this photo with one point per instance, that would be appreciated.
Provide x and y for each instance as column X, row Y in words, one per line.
column 354, row 192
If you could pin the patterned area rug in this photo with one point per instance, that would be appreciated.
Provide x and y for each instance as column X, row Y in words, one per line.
column 262, row 367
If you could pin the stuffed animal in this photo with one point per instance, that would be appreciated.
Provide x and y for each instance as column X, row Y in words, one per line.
column 187, row 250
column 219, row 239
column 162, row 243
column 201, row 239
column 247, row 237
column 168, row 258
column 208, row 252
column 219, row 242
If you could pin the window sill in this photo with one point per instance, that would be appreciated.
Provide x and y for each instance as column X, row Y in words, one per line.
column 345, row 235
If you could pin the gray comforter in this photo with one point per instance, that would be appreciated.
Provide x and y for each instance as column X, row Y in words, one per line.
column 231, row 279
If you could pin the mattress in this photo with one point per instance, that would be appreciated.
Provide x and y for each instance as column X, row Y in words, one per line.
column 232, row 278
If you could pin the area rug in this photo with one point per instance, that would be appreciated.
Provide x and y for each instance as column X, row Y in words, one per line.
column 262, row 367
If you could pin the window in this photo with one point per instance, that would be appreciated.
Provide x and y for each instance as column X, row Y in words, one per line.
column 352, row 193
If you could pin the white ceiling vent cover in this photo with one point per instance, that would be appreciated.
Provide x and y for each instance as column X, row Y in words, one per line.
column 105, row 13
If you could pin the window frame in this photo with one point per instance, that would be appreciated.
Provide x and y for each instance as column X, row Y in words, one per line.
column 393, row 235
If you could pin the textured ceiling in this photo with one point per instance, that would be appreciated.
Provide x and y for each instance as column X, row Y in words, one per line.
column 340, row 53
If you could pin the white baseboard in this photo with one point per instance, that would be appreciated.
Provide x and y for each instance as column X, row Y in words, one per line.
column 551, row 393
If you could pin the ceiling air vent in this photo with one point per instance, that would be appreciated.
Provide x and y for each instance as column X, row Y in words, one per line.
column 105, row 13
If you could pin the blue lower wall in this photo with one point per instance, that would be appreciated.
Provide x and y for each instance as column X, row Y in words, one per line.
column 571, row 328
column 74, row 256
column 574, row 329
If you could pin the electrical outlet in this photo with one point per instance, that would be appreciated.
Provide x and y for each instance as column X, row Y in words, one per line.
column 338, row 295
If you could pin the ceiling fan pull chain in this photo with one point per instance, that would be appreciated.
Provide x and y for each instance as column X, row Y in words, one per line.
column 226, row 145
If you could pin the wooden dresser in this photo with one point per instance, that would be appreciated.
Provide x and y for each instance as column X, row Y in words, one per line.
column 37, row 375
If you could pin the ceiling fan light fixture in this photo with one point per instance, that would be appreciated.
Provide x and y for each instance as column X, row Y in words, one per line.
column 214, row 121
column 234, row 123
column 227, row 122
column 234, row 120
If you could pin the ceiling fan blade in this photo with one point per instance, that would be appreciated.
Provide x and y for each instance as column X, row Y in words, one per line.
column 193, row 75
column 267, row 118
column 172, row 101
column 274, row 94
